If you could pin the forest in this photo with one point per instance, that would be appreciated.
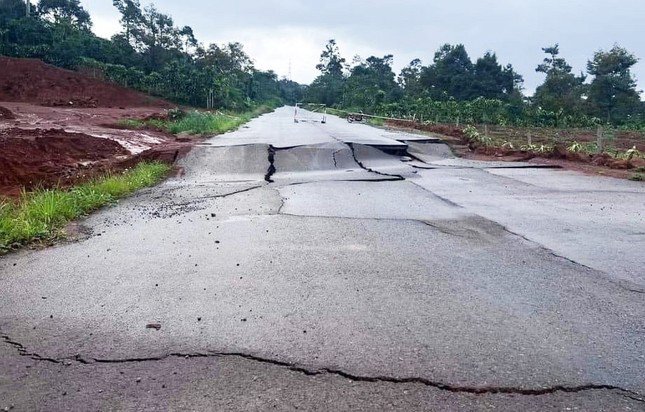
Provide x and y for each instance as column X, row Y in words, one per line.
column 151, row 54
column 454, row 89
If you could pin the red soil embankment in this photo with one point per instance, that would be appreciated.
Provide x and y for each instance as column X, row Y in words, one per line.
column 32, row 81
column 47, row 158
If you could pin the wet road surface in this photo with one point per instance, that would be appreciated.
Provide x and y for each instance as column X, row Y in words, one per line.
column 306, row 266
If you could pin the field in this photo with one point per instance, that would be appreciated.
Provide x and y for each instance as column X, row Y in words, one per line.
column 619, row 154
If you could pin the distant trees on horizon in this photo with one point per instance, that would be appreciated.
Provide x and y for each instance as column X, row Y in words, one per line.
column 371, row 84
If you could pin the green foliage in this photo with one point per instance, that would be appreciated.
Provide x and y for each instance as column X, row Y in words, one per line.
column 205, row 123
column 65, row 12
column 612, row 92
column 575, row 147
column 454, row 90
column 473, row 135
column 151, row 54
column 481, row 111
column 328, row 87
column 637, row 177
column 200, row 122
column 561, row 91
column 375, row 121
column 450, row 75
column 331, row 63
column 370, row 84
column 41, row 214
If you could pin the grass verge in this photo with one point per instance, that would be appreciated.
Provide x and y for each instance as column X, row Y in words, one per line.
column 41, row 214
column 198, row 122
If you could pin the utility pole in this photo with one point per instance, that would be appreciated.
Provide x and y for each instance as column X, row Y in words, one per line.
column 289, row 75
column 28, row 8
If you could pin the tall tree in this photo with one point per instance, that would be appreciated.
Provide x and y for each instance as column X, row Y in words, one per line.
column 451, row 74
column 65, row 12
column 370, row 83
column 612, row 92
column 331, row 61
column 492, row 81
column 562, row 90
column 410, row 78
column 328, row 87
column 131, row 15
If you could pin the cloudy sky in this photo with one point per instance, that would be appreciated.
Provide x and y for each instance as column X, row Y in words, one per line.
column 279, row 32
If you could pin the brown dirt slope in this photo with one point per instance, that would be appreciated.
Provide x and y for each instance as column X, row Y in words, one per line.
column 53, row 157
column 32, row 81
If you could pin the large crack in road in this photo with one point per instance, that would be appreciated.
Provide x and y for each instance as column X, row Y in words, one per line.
column 344, row 374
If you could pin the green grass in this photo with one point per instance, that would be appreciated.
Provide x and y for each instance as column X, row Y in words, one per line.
column 41, row 214
column 375, row 121
column 198, row 122
column 637, row 177
column 206, row 123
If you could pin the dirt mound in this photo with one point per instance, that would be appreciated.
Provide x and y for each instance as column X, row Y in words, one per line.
column 47, row 158
column 6, row 114
column 32, row 81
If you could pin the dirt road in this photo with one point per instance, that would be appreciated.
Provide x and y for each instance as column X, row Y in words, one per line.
column 311, row 266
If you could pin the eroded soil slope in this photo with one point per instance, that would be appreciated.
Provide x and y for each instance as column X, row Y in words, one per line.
column 59, row 127
column 32, row 81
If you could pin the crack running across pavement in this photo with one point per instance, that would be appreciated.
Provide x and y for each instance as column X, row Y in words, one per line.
column 477, row 390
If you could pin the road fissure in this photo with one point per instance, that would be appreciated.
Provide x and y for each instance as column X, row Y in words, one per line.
column 477, row 390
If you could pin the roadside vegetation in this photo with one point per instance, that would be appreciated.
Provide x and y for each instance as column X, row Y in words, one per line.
column 196, row 122
column 41, row 214
column 453, row 89
column 542, row 142
column 150, row 54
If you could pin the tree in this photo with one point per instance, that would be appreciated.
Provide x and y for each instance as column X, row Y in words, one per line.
column 492, row 81
column 11, row 10
column 68, row 12
column 328, row 87
column 330, row 60
column 561, row 91
column 451, row 74
column 264, row 85
column 291, row 92
column 131, row 14
column 410, row 78
column 151, row 54
column 371, row 83
column 612, row 92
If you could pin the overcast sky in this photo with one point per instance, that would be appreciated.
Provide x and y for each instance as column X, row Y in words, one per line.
column 276, row 32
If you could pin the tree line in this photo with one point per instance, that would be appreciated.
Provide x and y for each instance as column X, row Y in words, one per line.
column 454, row 88
column 151, row 54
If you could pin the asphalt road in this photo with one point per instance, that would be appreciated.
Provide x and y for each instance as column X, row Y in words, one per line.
column 311, row 266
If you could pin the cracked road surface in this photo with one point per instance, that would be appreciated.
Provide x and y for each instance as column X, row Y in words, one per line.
column 306, row 266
